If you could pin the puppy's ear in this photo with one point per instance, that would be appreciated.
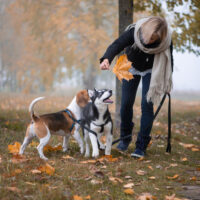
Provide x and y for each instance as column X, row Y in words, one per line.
column 90, row 93
column 82, row 98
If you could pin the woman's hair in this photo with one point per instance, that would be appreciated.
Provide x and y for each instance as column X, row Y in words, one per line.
column 154, row 26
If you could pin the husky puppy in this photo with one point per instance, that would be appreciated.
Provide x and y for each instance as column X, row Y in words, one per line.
column 96, row 117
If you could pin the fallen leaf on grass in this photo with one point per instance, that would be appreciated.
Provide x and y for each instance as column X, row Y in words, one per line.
column 108, row 158
column 0, row 159
column 128, row 185
column 173, row 177
column 194, row 178
column 115, row 179
column 68, row 157
column 104, row 192
column 48, row 169
column 14, row 149
column 140, row 172
column 195, row 149
column 36, row 171
column 188, row 146
column 184, row 159
column 88, row 161
column 29, row 183
column 87, row 197
column 76, row 197
column 121, row 68
column 49, row 148
column 129, row 191
column 128, row 177
column 146, row 196
column 94, row 182
column 13, row 189
column 18, row 159
column 173, row 197
column 152, row 177
column 150, row 167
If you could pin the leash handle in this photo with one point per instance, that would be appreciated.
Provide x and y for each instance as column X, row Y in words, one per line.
column 169, row 125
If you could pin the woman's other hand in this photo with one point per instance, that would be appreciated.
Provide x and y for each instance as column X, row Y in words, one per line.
column 105, row 64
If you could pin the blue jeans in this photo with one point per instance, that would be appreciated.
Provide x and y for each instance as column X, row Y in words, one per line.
column 129, row 90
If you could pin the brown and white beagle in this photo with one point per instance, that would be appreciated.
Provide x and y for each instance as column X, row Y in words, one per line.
column 58, row 123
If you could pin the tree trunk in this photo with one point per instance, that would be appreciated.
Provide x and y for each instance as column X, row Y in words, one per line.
column 125, row 18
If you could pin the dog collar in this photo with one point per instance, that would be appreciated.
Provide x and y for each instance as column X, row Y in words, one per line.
column 70, row 115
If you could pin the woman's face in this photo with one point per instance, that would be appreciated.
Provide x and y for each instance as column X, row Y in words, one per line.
column 153, row 38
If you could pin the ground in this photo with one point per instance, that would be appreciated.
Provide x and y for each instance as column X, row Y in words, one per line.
column 71, row 176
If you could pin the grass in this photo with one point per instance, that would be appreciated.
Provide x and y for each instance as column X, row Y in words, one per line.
column 72, row 177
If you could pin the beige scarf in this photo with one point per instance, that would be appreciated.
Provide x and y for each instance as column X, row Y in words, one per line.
column 161, row 77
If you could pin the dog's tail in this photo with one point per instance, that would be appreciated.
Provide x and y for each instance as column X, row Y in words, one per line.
column 33, row 116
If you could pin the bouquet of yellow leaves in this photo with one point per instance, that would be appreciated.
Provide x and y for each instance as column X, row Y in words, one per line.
column 121, row 68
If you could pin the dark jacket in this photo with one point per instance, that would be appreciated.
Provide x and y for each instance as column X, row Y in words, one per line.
column 140, row 60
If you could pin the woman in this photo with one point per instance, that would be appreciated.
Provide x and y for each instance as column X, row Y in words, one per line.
column 148, row 46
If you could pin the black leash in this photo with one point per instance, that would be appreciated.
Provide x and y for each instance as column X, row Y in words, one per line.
column 156, row 113
column 79, row 122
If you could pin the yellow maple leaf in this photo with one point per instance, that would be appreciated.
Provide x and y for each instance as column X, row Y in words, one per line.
column 129, row 191
column 121, row 68
column 47, row 169
column 14, row 149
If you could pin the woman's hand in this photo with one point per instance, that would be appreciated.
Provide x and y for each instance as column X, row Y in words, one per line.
column 105, row 64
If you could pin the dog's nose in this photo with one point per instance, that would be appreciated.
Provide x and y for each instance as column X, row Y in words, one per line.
column 110, row 91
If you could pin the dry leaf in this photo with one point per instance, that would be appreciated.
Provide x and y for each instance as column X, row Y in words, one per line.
column 68, row 157
column 115, row 179
column 140, row 172
column 29, row 183
column 94, row 182
column 48, row 169
column 103, row 139
column 129, row 185
column 195, row 149
column 128, row 177
column 129, row 191
column 87, row 197
column 121, row 68
column 108, row 158
column 150, row 167
column 152, row 177
column 14, row 149
column 88, row 161
column 188, row 146
column 36, row 171
column 49, row 148
column 13, row 189
column 18, row 159
column 194, row 178
column 173, row 177
column 0, row 159
column 184, row 159
column 76, row 197
column 146, row 196
column 173, row 197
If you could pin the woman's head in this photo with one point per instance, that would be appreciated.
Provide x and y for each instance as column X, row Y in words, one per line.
column 153, row 30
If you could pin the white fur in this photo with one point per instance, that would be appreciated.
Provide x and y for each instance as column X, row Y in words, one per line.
column 33, row 103
column 27, row 139
column 43, row 142
column 96, row 127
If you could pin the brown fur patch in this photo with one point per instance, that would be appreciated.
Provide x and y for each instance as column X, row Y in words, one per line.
column 82, row 98
column 40, row 129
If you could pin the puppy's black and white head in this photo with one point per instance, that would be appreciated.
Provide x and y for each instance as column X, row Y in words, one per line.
column 100, row 97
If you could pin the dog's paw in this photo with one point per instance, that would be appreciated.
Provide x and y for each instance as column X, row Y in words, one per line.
column 95, row 154
column 65, row 150
column 87, row 155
